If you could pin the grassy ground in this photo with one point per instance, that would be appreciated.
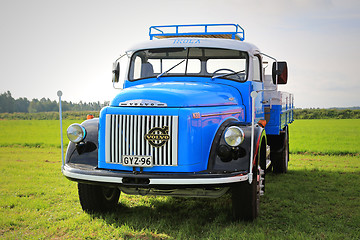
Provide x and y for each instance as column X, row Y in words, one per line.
column 318, row 198
column 329, row 136
column 311, row 201
column 33, row 133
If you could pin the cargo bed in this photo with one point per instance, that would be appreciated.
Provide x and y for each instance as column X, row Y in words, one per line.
column 279, row 108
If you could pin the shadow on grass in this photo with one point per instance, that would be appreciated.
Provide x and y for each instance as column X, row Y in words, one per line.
column 175, row 217
column 299, row 204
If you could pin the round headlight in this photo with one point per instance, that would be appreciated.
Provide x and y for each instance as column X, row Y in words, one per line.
column 234, row 136
column 76, row 133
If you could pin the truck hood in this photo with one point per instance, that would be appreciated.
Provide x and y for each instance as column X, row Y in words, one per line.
column 178, row 94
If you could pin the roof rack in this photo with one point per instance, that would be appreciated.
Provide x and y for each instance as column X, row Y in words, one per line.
column 227, row 31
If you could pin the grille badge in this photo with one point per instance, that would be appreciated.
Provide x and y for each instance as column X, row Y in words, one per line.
column 157, row 137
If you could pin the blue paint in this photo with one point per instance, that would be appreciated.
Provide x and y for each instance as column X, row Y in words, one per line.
column 185, row 96
column 194, row 137
column 279, row 118
column 181, row 92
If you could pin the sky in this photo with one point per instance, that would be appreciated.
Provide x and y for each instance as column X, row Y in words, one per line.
column 48, row 45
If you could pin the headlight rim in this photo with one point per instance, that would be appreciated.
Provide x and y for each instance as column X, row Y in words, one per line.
column 242, row 136
column 80, row 137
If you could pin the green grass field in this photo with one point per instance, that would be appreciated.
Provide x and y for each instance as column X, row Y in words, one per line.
column 33, row 133
column 326, row 136
column 318, row 198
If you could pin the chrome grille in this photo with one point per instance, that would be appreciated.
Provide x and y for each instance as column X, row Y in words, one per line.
column 125, row 135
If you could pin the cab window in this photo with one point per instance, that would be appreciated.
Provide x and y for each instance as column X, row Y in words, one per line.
column 257, row 76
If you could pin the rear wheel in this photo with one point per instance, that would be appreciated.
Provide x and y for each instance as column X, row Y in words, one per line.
column 280, row 159
column 95, row 198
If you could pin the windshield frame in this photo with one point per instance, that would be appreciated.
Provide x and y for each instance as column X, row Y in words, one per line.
column 203, row 61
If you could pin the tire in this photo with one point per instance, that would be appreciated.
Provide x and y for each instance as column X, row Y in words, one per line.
column 246, row 198
column 95, row 198
column 280, row 159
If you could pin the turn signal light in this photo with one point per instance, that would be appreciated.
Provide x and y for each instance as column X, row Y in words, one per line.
column 262, row 122
column 89, row 116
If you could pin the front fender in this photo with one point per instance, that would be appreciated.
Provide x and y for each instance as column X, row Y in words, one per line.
column 85, row 152
column 239, row 159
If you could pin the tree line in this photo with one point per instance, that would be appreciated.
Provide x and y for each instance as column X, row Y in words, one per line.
column 23, row 105
column 332, row 113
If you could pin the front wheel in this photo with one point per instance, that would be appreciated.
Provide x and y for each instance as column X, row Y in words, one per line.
column 246, row 198
column 95, row 198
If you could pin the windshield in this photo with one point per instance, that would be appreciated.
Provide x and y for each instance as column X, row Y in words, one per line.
column 205, row 62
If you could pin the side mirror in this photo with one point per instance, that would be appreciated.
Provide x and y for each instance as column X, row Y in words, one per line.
column 282, row 72
column 116, row 72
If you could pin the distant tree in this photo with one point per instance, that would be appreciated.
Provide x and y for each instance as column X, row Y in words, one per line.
column 33, row 106
column 22, row 105
column 7, row 102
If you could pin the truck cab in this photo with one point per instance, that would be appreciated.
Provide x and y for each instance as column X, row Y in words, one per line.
column 196, row 116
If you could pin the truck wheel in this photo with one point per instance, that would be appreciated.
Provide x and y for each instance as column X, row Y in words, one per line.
column 95, row 198
column 246, row 198
column 281, row 159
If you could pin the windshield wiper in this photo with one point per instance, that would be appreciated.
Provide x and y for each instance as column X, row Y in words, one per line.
column 227, row 74
column 170, row 69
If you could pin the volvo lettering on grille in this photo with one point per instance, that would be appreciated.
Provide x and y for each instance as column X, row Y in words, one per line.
column 142, row 103
column 157, row 136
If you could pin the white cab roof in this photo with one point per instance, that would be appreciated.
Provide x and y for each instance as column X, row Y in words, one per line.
column 197, row 42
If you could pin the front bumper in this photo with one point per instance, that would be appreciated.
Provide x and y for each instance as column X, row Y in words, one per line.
column 92, row 175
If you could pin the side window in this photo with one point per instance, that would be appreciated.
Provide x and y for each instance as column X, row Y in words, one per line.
column 257, row 69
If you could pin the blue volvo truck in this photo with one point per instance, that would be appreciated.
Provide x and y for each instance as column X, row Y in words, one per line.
column 196, row 116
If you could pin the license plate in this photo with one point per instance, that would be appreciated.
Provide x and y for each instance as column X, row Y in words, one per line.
column 137, row 161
